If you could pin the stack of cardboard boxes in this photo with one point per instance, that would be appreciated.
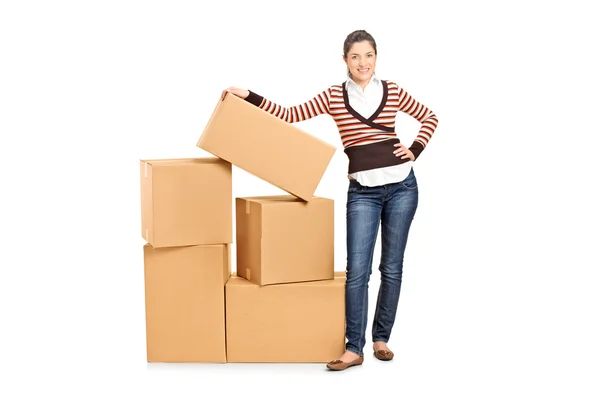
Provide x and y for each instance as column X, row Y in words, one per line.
column 187, row 224
column 284, row 303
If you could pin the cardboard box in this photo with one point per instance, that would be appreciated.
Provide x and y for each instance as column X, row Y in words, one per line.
column 283, row 239
column 295, row 322
column 186, row 201
column 185, row 302
column 266, row 146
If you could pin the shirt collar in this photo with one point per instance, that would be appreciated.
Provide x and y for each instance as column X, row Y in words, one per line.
column 351, row 84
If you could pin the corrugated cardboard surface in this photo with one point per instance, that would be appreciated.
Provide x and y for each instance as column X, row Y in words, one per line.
column 295, row 322
column 185, row 302
column 282, row 239
column 186, row 201
column 266, row 146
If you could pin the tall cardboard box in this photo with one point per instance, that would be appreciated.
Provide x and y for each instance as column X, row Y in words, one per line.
column 266, row 146
column 283, row 239
column 295, row 322
column 185, row 302
column 186, row 201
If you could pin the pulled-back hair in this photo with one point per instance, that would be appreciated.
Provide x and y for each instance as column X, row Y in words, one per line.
column 358, row 36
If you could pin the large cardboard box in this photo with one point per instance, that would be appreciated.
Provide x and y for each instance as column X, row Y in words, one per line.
column 266, row 146
column 186, row 201
column 185, row 302
column 294, row 322
column 283, row 239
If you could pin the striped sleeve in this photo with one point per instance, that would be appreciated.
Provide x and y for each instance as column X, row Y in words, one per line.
column 316, row 106
column 424, row 115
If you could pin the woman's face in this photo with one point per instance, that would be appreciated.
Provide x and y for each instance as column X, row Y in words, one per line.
column 361, row 61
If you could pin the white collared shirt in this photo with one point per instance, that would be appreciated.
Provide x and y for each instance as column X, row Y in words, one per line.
column 366, row 102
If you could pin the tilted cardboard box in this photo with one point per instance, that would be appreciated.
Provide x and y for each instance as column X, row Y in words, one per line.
column 283, row 239
column 294, row 322
column 185, row 302
column 186, row 201
column 266, row 146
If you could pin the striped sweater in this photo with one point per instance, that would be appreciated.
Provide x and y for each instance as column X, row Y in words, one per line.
column 368, row 142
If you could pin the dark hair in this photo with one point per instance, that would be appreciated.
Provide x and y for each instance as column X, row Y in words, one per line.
column 358, row 36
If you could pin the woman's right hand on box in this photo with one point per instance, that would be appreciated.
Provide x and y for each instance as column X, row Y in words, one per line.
column 241, row 93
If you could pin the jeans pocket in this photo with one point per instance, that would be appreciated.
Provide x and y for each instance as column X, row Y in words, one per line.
column 354, row 187
column 410, row 182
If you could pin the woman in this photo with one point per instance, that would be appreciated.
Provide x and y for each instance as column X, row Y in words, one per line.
column 382, row 185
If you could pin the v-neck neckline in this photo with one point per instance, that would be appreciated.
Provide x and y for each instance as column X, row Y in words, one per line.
column 356, row 114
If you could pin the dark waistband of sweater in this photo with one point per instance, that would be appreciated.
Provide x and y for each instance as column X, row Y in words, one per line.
column 372, row 156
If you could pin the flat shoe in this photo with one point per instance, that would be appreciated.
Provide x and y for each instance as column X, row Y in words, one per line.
column 384, row 355
column 339, row 365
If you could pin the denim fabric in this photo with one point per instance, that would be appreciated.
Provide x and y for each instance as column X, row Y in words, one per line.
column 393, row 206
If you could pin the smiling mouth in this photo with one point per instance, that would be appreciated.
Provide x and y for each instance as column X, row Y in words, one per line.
column 363, row 70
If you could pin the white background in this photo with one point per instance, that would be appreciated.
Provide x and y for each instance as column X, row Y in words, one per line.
column 500, row 295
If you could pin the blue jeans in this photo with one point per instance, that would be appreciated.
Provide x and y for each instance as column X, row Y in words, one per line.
column 394, row 205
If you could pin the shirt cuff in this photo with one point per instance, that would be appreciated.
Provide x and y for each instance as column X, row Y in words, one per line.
column 416, row 148
column 254, row 98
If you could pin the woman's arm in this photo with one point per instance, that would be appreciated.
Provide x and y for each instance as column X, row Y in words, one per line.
column 316, row 106
column 409, row 105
